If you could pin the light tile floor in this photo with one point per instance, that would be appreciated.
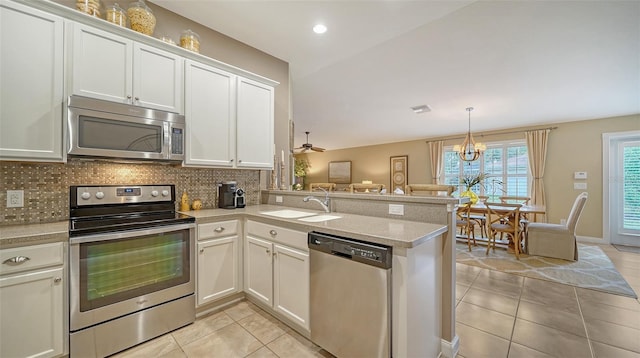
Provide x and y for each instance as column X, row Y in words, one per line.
column 497, row 315
column 504, row 315
column 242, row 330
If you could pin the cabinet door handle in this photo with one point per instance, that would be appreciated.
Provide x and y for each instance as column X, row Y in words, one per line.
column 231, row 160
column 16, row 260
column 136, row 98
column 219, row 229
column 57, row 279
column 268, row 251
column 239, row 160
column 273, row 233
column 201, row 250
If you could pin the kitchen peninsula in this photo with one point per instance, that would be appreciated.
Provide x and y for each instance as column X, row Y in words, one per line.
column 422, row 293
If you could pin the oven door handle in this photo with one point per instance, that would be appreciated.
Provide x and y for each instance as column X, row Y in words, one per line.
column 132, row 233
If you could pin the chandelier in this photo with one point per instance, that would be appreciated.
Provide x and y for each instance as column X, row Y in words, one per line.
column 469, row 150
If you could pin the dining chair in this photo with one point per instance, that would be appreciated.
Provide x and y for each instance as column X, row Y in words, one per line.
column 481, row 219
column 465, row 224
column 325, row 186
column 503, row 218
column 430, row 189
column 524, row 200
column 366, row 188
column 557, row 240
column 524, row 220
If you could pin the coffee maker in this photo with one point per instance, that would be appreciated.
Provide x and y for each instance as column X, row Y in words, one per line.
column 239, row 198
column 230, row 196
column 227, row 195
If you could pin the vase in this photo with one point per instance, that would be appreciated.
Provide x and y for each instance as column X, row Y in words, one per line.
column 471, row 195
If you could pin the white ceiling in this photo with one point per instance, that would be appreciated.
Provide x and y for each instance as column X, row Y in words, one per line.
column 519, row 63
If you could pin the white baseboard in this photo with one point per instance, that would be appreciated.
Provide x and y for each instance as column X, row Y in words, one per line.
column 449, row 349
column 592, row 240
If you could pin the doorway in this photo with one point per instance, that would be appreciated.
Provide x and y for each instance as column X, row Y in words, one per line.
column 621, row 188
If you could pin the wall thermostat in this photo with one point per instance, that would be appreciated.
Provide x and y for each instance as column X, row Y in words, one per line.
column 580, row 175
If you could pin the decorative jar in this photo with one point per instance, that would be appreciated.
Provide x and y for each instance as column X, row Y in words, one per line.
column 168, row 40
column 141, row 18
column 471, row 195
column 190, row 41
column 116, row 15
column 91, row 7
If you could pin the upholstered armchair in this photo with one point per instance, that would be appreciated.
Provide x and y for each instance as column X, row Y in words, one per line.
column 557, row 240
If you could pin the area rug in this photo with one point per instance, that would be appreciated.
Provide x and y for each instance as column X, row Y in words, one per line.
column 593, row 270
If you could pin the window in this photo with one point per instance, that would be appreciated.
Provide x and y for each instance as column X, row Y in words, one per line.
column 631, row 188
column 506, row 165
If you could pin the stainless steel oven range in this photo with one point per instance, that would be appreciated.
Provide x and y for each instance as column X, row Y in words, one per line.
column 131, row 259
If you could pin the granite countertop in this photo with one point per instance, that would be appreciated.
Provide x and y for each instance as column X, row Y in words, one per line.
column 392, row 232
column 32, row 234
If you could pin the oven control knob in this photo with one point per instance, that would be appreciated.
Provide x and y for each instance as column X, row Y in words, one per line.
column 99, row 195
column 154, row 193
column 86, row 195
column 165, row 193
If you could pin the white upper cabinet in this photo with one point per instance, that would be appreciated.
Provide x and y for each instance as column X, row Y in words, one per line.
column 31, row 84
column 114, row 68
column 229, row 119
column 210, row 115
column 158, row 80
column 255, row 136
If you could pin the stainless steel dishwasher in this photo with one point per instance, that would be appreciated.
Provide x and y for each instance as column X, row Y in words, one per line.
column 350, row 296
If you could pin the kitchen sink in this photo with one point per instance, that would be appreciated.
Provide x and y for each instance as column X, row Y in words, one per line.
column 287, row 213
column 319, row 218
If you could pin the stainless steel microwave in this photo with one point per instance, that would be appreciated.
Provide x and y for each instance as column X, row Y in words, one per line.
column 104, row 129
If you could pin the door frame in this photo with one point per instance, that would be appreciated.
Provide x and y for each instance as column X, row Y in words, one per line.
column 609, row 140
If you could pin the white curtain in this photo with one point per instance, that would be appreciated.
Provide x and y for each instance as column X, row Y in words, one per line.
column 537, row 150
column 435, row 151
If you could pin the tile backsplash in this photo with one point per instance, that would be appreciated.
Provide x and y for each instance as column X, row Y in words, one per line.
column 46, row 185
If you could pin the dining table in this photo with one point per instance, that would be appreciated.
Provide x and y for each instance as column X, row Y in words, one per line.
column 535, row 210
column 530, row 212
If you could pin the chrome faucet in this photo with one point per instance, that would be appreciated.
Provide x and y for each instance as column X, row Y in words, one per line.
column 326, row 204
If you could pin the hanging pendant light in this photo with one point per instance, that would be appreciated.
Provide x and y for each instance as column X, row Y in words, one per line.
column 469, row 150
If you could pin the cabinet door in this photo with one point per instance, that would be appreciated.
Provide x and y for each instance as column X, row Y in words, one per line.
column 157, row 78
column 31, row 84
column 210, row 113
column 258, row 269
column 291, row 284
column 217, row 274
column 32, row 314
column 254, row 125
column 102, row 65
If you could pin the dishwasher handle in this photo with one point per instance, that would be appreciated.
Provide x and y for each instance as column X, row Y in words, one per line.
column 350, row 249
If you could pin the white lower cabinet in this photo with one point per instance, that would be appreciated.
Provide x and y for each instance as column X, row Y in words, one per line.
column 276, row 270
column 218, row 261
column 31, row 301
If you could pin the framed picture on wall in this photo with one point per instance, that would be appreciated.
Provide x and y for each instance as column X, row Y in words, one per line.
column 398, row 170
column 340, row 172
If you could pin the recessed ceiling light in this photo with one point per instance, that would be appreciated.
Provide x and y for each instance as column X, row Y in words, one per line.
column 319, row 29
column 421, row 109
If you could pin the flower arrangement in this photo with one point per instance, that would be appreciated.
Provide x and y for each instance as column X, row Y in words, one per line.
column 472, row 180
column 300, row 168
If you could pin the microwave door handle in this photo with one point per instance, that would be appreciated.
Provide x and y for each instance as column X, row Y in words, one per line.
column 167, row 139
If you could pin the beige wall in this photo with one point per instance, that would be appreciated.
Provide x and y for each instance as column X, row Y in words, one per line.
column 573, row 146
column 223, row 48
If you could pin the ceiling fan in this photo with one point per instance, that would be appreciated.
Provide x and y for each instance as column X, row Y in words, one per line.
column 308, row 146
